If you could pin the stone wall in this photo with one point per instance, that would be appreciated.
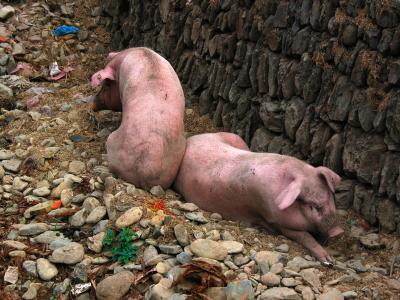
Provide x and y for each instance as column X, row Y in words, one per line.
column 316, row 79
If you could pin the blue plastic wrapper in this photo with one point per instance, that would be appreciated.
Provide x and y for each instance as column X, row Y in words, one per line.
column 64, row 30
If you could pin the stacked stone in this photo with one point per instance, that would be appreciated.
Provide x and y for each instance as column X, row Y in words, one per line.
column 318, row 80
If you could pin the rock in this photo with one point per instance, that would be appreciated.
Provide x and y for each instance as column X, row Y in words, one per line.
column 216, row 293
column 80, row 273
column 18, row 184
column 42, row 192
column 188, row 206
column 90, row 203
column 115, row 286
column 76, row 167
column 14, row 244
column 96, row 215
column 6, row 154
column 239, row 290
column 216, row 216
column 280, row 293
column 100, row 226
column 298, row 263
column 181, row 235
column 17, row 253
column 11, row 275
column 307, row 293
column 283, row 248
column 18, row 50
column 356, row 265
column 151, row 257
column 95, row 243
column 332, row 294
column 78, row 219
column 47, row 237
column 371, row 241
column 30, row 268
column 31, row 293
column 270, row 279
column 208, row 249
column 131, row 216
column 170, row 249
column 233, row 247
column 46, row 269
column 311, row 276
column 33, row 229
column 2, row 172
column 66, row 184
column 349, row 36
column 160, row 291
column 240, row 259
column 265, row 259
column 157, row 191
column 11, row 164
column 393, row 284
column 184, row 257
column 290, row 282
column 69, row 254
column 66, row 197
column 6, row 12
column 196, row 216
column 350, row 295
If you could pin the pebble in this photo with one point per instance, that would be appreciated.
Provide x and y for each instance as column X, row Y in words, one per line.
column 42, row 192
column 216, row 216
column 79, row 274
column 17, row 253
column 76, row 167
column 394, row 284
column 181, row 235
column 233, row 247
column 46, row 269
column 283, row 248
column 115, row 286
column 6, row 12
column 11, row 164
column 151, row 256
column 290, row 282
column 157, row 191
column 131, row 216
column 14, row 244
column 69, row 254
column 100, row 226
column 372, row 241
column 31, row 293
column 265, row 259
column 196, row 216
column 65, row 184
column 184, row 257
column 95, row 243
column 312, row 277
column 298, row 263
column 209, row 249
column 242, row 289
column 78, row 219
column 90, row 203
column 240, row 259
column 280, row 293
column 6, row 154
column 19, row 184
column 96, row 215
column 270, row 279
column 30, row 267
column 11, row 275
column 188, row 206
column 356, row 265
column 332, row 294
column 66, row 197
column 160, row 291
column 47, row 237
column 350, row 295
column 170, row 249
column 33, row 229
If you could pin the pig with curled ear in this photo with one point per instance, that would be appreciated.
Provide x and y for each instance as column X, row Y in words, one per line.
column 283, row 194
column 147, row 148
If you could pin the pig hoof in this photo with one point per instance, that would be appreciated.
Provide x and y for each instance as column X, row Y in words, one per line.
column 328, row 261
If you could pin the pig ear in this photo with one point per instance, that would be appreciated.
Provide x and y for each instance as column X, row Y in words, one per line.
column 289, row 195
column 111, row 55
column 331, row 178
column 102, row 75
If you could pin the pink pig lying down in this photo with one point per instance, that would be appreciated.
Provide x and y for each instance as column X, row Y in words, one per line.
column 148, row 146
column 283, row 194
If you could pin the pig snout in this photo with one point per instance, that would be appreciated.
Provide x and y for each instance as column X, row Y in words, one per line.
column 335, row 231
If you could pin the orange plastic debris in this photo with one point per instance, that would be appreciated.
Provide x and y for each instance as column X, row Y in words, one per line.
column 3, row 39
column 56, row 204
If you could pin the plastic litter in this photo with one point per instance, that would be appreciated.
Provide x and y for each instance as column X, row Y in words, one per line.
column 54, row 69
column 3, row 39
column 23, row 69
column 64, row 30
column 32, row 102
column 56, row 73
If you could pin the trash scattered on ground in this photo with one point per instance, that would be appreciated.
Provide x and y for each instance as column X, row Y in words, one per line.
column 64, row 30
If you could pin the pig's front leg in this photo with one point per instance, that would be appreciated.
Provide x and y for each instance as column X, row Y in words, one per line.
column 308, row 241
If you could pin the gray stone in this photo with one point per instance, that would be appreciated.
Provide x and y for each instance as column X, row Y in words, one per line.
column 96, row 215
column 11, row 275
column 294, row 114
column 79, row 218
column 42, row 191
column 349, row 35
column 6, row 12
column 188, row 206
column 11, row 164
column 100, row 226
column 332, row 294
column 131, row 216
column 350, row 295
column 261, row 139
column 95, row 243
column 181, row 235
column 31, row 293
column 209, row 249
column 233, row 247
column 242, row 289
column 160, row 291
column 270, row 279
column 170, row 249
column 283, row 248
column 33, row 229
column 371, row 241
column 338, row 104
column 115, row 286
column 280, row 293
column 80, row 273
column 30, row 268
column 356, row 265
column 196, row 216
column 47, row 237
column 311, row 276
column 46, row 269
column 6, row 154
column 157, row 191
column 69, row 254
column 184, row 257
column 151, row 256
column 298, row 263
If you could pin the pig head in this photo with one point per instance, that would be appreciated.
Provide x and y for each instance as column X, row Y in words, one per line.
column 279, row 192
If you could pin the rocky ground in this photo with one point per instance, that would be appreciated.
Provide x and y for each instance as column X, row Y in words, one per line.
column 70, row 230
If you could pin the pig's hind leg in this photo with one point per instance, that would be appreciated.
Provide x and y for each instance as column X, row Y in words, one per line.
column 234, row 140
column 308, row 241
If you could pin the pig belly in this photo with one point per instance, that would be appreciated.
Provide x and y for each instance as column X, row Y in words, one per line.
column 145, row 162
